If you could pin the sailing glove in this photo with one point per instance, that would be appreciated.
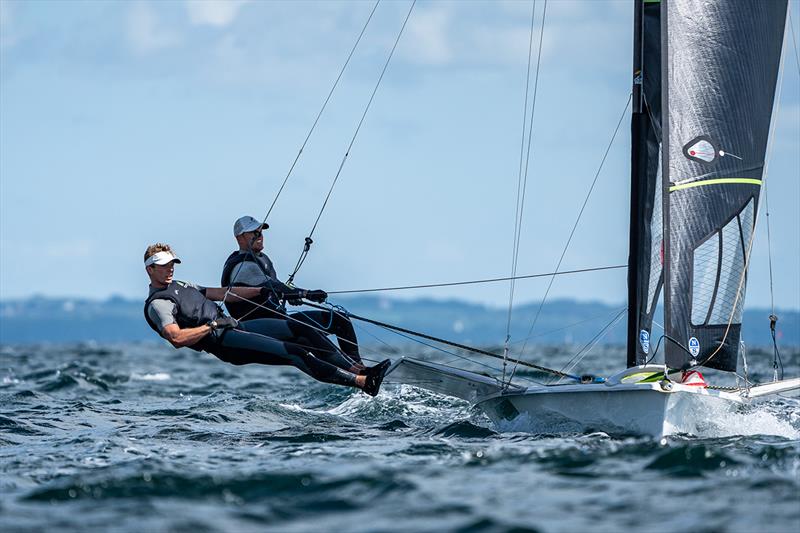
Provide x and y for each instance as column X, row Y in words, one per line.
column 295, row 296
column 223, row 323
column 317, row 295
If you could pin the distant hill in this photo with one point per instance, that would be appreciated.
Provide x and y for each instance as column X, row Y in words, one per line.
column 39, row 319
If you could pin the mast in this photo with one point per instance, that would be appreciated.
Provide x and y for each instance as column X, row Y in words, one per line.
column 637, row 145
column 645, row 247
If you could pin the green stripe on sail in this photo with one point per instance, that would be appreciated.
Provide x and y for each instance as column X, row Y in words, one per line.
column 700, row 183
column 652, row 1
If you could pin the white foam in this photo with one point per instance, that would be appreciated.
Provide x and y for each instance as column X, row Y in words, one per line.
column 757, row 419
column 156, row 376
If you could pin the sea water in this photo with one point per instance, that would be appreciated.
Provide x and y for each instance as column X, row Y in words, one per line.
column 142, row 437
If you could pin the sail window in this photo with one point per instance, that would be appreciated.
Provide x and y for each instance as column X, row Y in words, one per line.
column 718, row 267
column 736, row 237
column 704, row 278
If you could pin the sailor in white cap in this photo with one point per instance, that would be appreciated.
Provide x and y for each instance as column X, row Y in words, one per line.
column 187, row 315
column 249, row 266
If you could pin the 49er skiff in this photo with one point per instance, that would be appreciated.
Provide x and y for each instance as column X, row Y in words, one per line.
column 704, row 85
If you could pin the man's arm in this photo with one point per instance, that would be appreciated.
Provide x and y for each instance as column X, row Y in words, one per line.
column 180, row 337
column 218, row 293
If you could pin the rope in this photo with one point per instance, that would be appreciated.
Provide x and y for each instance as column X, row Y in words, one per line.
column 522, row 177
column 399, row 331
column 575, row 226
column 589, row 346
column 544, row 333
column 794, row 40
column 473, row 282
column 777, row 363
column 308, row 239
column 324, row 105
column 432, row 346
column 305, row 141
column 454, row 344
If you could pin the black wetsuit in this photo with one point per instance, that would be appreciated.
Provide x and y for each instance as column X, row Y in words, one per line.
column 331, row 322
column 262, row 341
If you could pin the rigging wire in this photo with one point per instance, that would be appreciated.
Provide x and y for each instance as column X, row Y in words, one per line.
column 302, row 147
column 777, row 363
column 522, row 177
column 477, row 281
column 308, row 239
column 397, row 329
column 575, row 226
column 322, row 109
column 451, row 343
column 589, row 346
column 568, row 326
column 794, row 40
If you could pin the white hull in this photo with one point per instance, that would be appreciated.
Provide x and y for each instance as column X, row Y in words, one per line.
column 623, row 405
column 637, row 409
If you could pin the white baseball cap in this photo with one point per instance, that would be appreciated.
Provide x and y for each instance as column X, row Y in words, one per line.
column 161, row 258
column 247, row 223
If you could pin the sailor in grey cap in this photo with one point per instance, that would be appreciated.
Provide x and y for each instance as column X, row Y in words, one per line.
column 186, row 315
column 249, row 266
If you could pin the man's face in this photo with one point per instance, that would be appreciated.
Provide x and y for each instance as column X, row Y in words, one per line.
column 255, row 239
column 161, row 275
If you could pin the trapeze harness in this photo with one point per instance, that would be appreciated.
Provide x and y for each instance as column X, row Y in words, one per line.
column 271, row 307
column 257, row 307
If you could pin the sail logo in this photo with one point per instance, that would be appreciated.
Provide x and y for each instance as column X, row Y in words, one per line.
column 644, row 340
column 701, row 149
column 694, row 346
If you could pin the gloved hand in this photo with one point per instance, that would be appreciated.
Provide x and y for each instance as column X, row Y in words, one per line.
column 295, row 296
column 317, row 295
column 223, row 323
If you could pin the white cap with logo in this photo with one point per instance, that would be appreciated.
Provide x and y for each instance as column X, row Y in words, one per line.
column 161, row 258
column 247, row 223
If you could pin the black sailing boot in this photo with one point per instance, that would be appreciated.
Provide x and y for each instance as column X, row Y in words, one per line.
column 375, row 376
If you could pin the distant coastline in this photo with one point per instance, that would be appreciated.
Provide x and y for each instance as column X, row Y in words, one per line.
column 50, row 320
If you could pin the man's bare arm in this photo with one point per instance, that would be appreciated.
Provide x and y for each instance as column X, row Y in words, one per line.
column 180, row 337
column 218, row 293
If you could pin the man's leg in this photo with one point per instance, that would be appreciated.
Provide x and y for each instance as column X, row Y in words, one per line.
column 241, row 347
column 336, row 324
column 304, row 335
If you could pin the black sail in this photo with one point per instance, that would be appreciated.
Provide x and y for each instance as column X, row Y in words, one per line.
column 720, row 66
column 646, row 235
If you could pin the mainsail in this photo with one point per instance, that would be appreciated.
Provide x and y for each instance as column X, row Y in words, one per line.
column 720, row 67
column 646, row 252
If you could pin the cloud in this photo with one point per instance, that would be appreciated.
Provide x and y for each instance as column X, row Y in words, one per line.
column 146, row 33
column 428, row 36
column 213, row 12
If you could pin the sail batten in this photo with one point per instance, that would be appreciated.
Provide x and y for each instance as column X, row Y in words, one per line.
column 720, row 67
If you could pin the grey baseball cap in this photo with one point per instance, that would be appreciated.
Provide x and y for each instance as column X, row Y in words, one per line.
column 247, row 223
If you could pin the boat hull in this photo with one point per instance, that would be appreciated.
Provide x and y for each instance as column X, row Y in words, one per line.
column 640, row 409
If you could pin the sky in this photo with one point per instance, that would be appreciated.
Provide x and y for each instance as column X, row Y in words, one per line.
column 128, row 123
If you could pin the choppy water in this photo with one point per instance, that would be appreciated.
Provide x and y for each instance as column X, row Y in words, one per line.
column 145, row 438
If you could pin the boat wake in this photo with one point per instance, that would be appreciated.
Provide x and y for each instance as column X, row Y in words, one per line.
column 779, row 418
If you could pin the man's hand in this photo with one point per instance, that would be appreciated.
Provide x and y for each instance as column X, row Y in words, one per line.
column 223, row 323
column 317, row 295
column 295, row 296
